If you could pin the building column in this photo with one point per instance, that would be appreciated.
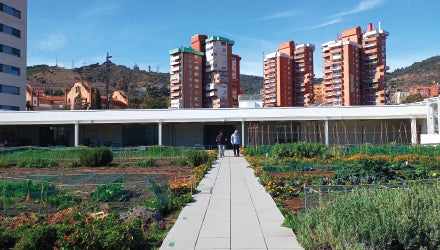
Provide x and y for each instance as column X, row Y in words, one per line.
column 326, row 131
column 160, row 133
column 413, row 131
column 76, row 135
column 430, row 123
column 437, row 122
column 242, row 133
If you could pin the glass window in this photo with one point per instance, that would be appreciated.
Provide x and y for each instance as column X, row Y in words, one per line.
column 9, row 69
column 7, row 89
column 7, row 107
column 9, row 30
column 9, row 10
column 9, row 50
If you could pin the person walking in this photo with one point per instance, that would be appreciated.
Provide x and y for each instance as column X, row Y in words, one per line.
column 221, row 142
column 235, row 141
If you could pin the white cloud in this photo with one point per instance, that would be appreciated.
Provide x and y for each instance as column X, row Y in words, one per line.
column 52, row 42
column 287, row 13
column 324, row 24
column 102, row 9
column 362, row 6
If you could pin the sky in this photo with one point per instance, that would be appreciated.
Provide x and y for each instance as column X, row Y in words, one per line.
column 77, row 33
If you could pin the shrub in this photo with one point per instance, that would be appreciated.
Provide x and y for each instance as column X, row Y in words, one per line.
column 4, row 163
column 300, row 149
column 282, row 150
column 197, row 157
column 180, row 162
column 405, row 218
column 96, row 157
column 36, row 163
column 148, row 162
column 309, row 150
column 40, row 237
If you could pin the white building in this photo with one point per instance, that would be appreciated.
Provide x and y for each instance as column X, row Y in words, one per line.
column 351, row 125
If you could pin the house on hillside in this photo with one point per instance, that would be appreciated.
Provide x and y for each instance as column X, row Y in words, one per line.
column 40, row 101
column 426, row 91
column 80, row 96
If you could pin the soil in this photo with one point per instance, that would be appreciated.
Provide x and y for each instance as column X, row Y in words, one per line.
column 162, row 167
column 131, row 175
column 297, row 203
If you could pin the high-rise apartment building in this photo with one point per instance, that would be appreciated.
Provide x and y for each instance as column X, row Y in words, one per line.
column 186, row 81
column 288, row 76
column 354, row 68
column 303, row 77
column 373, row 82
column 207, row 74
column 13, row 33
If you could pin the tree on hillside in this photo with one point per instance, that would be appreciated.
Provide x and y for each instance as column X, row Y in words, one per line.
column 29, row 106
column 413, row 98
column 80, row 102
column 96, row 100
column 155, row 99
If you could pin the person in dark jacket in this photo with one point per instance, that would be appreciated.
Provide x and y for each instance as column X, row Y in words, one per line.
column 221, row 142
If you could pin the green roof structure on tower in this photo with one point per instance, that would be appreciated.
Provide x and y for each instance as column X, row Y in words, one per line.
column 187, row 50
column 220, row 38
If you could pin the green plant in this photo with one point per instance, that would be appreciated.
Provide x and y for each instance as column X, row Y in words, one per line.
column 197, row 157
column 36, row 163
column 73, row 164
column 110, row 192
column 96, row 157
column 148, row 162
column 4, row 163
column 40, row 237
column 180, row 162
column 408, row 219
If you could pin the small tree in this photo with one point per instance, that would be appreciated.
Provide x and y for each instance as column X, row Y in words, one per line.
column 413, row 98
column 96, row 100
column 29, row 106
column 80, row 102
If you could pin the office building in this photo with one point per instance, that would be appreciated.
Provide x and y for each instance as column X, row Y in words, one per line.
column 288, row 76
column 205, row 75
column 354, row 67
column 13, row 33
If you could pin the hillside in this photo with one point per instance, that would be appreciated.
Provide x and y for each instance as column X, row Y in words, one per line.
column 135, row 82
column 121, row 77
column 426, row 72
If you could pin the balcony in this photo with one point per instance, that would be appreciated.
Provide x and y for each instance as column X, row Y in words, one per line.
column 175, row 79
column 176, row 94
column 369, row 45
column 211, row 86
column 336, row 57
column 211, row 93
column 175, row 88
column 175, row 58
column 172, row 63
column 174, row 69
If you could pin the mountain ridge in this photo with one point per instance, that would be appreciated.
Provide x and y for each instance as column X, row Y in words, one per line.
column 135, row 82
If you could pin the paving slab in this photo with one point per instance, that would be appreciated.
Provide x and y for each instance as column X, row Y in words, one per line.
column 231, row 211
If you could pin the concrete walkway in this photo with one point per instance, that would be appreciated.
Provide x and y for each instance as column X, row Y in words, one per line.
column 232, row 211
